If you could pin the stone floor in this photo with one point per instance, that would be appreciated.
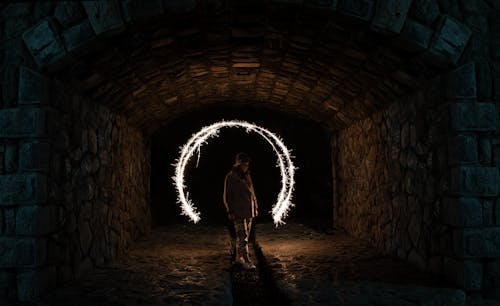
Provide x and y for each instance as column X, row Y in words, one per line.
column 330, row 268
column 190, row 265
column 181, row 265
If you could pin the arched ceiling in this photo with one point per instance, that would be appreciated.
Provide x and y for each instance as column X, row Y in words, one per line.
column 319, row 64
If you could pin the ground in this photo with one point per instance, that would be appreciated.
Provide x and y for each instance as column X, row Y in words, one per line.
column 297, row 265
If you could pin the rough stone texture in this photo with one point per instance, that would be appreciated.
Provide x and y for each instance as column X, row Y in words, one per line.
column 485, row 152
column 462, row 149
column 36, row 221
column 23, row 189
column 449, row 41
column 461, row 212
column 347, row 74
column 11, row 158
column 477, row 243
column 44, row 44
column 391, row 170
column 390, row 15
column 492, row 278
column 461, row 83
column 68, row 12
column 315, row 268
column 18, row 252
column 497, row 212
column 79, row 39
column 473, row 117
column 142, row 11
column 415, row 36
column 360, row 9
column 468, row 274
column 34, row 156
column 10, row 84
column 101, row 186
column 32, row 284
column 22, row 122
column 104, row 16
column 425, row 11
column 479, row 181
column 33, row 87
column 156, row 271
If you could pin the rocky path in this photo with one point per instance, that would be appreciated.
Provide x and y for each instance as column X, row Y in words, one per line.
column 181, row 265
column 317, row 268
column 296, row 265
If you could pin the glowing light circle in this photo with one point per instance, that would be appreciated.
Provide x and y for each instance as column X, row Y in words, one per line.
column 283, row 203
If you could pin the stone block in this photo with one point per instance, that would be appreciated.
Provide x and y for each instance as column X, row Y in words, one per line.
column 495, row 46
column 497, row 211
column 449, row 41
column 390, row 15
column 80, row 39
column 8, row 284
column 14, row 26
column 10, row 221
column 461, row 212
column 34, row 88
column 11, row 159
column 415, row 36
column 358, row 9
column 10, row 85
column 104, row 16
column 473, row 117
column 33, row 284
column 321, row 4
column 461, row 83
column 484, row 81
column 491, row 283
column 462, row 149
column 36, row 220
column 485, row 151
column 34, row 156
column 85, row 238
column 496, row 155
column 488, row 212
column 22, row 122
column 477, row 243
column 23, row 189
column 69, row 12
column 145, row 10
column 425, row 11
column 465, row 273
column 44, row 44
column 186, row 6
column 474, row 181
column 18, row 252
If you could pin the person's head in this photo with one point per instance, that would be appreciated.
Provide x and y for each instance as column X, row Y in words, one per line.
column 242, row 161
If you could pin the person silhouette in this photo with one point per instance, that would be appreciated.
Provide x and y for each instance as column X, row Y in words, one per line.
column 241, row 206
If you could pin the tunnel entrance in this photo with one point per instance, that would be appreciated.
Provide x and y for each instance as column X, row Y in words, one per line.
column 308, row 141
column 399, row 128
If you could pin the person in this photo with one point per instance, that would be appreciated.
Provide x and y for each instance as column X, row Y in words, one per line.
column 241, row 206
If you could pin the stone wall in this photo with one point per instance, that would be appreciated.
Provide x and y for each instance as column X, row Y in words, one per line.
column 418, row 180
column 390, row 170
column 74, row 187
column 99, row 181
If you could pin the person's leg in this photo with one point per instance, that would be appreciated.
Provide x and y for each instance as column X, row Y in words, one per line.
column 248, row 228
column 239, row 228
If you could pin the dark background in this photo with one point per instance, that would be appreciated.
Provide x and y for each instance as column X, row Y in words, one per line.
column 307, row 140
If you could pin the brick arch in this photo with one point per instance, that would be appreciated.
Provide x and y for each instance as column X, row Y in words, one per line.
column 333, row 62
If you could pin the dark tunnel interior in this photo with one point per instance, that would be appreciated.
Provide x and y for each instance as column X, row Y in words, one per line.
column 307, row 140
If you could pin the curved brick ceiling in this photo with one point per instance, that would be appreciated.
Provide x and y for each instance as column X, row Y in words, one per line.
column 324, row 64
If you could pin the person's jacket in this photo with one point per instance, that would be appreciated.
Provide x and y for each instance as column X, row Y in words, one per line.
column 239, row 196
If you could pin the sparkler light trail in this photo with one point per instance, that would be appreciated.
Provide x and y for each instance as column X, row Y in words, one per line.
column 287, row 169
